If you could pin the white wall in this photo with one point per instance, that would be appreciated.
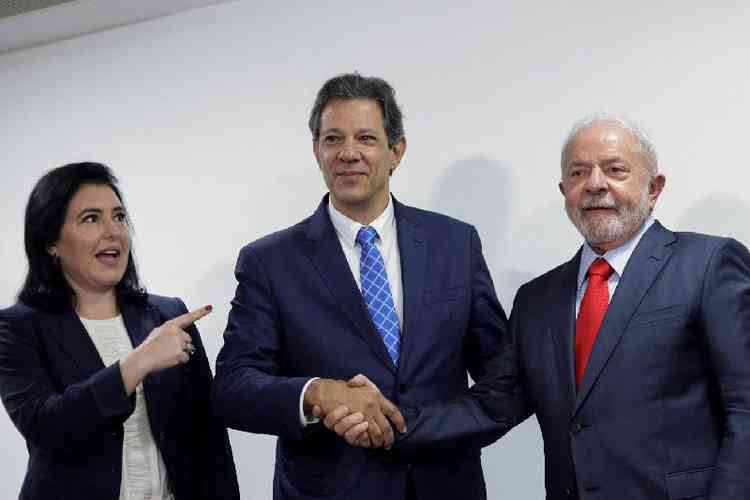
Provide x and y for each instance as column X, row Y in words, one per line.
column 203, row 116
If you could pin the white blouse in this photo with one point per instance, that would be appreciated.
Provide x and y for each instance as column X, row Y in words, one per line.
column 144, row 476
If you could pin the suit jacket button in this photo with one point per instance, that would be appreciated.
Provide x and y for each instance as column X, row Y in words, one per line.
column 577, row 427
column 568, row 493
column 161, row 436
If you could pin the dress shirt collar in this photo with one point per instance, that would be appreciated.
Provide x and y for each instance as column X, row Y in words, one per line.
column 617, row 257
column 347, row 229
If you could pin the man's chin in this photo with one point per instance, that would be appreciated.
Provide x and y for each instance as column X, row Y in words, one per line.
column 350, row 197
column 598, row 232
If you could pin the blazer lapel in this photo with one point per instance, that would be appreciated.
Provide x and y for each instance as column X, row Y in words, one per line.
column 139, row 322
column 412, row 247
column 326, row 255
column 563, row 296
column 73, row 338
column 162, row 387
column 644, row 265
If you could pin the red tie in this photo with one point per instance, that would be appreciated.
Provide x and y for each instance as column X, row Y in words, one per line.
column 590, row 316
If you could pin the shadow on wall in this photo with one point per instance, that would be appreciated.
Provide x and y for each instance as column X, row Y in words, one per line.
column 718, row 214
column 285, row 200
column 215, row 287
column 548, row 238
column 253, row 453
column 479, row 191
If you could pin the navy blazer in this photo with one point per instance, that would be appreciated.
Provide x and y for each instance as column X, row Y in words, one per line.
column 70, row 407
column 298, row 313
column 663, row 411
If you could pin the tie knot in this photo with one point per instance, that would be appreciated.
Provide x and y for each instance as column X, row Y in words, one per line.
column 600, row 267
column 367, row 236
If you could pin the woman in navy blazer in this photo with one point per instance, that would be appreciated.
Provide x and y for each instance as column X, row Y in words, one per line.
column 70, row 404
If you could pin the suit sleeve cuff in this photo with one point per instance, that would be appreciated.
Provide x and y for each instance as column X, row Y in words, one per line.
column 109, row 392
column 304, row 419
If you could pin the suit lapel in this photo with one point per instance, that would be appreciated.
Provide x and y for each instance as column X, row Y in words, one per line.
column 73, row 338
column 563, row 296
column 644, row 265
column 325, row 253
column 412, row 247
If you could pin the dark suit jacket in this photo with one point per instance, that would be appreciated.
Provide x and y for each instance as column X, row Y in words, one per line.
column 70, row 407
column 298, row 313
column 664, row 407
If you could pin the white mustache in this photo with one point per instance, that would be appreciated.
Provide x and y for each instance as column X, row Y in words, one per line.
column 590, row 203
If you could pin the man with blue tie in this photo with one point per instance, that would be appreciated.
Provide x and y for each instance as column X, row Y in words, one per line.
column 364, row 285
column 634, row 355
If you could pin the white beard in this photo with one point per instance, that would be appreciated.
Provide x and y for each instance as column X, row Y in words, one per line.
column 600, row 229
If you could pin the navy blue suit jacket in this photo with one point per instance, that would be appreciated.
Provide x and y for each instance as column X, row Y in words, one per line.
column 70, row 407
column 663, row 411
column 299, row 313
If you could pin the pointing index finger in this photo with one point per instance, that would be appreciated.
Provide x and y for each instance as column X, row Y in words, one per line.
column 191, row 317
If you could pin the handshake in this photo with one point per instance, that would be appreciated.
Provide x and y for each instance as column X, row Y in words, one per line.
column 355, row 410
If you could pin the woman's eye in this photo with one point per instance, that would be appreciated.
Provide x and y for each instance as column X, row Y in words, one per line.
column 90, row 219
column 121, row 217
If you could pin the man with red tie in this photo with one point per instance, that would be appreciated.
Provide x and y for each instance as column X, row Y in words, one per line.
column 634, row 355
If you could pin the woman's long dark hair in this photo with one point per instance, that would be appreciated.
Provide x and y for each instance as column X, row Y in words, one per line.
column 45, row 286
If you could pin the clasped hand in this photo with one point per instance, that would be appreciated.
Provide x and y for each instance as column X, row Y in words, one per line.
column 355, row 410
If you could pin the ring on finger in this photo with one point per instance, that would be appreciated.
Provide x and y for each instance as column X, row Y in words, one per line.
column 189, row 349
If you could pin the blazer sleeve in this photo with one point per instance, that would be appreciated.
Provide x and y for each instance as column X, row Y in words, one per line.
column 725, row 317
column 250, row 392
column 487, row 320
column 56, row 419
column 496, row 402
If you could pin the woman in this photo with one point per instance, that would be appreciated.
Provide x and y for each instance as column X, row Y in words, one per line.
column 109, row 385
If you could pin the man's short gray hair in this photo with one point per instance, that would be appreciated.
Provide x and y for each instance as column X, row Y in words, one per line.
column 643, row 142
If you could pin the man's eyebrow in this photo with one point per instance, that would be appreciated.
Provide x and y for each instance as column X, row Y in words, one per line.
column 330, row 131
column 578, row 163
column 612, row 159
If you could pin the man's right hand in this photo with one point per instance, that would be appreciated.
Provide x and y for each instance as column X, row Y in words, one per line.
column 363, row 405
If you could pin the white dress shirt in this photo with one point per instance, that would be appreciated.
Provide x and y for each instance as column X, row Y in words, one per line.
column 617, row 257
column 144, row 475
column 387, row 243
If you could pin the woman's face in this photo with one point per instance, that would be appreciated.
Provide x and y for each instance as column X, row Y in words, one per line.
column 94, row 242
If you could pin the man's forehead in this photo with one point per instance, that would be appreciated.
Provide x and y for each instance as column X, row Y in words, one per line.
column 364, row 114
column 362, row 105
column 600, row 137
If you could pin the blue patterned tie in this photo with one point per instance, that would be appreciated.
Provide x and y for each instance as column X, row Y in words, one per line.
column 377, row 292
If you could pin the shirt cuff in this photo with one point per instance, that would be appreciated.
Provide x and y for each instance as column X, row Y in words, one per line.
column 304, row 419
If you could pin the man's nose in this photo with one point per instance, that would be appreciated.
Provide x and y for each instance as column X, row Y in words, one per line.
column 596, row 181
column 349, row 152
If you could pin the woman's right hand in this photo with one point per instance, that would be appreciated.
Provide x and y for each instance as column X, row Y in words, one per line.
column 166, row 346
